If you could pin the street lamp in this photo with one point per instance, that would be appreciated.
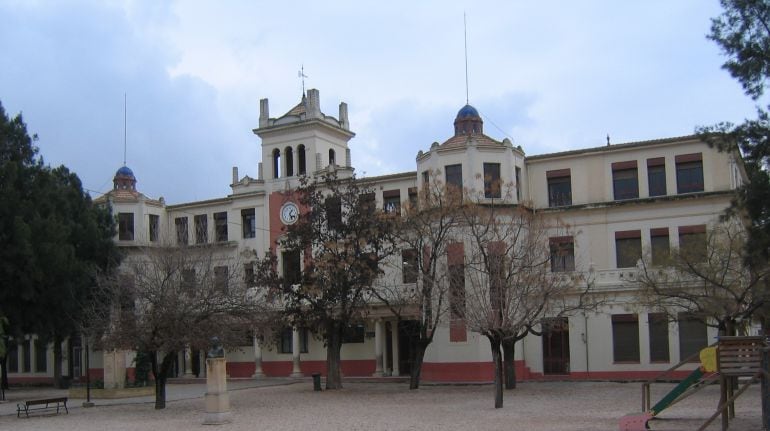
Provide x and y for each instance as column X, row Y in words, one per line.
column 88, row 402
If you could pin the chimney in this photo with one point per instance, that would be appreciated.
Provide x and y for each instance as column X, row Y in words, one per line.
column 313, row 104
column 235, row 174
column 344, row 116
column 264, row 113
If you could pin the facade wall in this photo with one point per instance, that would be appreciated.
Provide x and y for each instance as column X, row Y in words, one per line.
column 594, row 217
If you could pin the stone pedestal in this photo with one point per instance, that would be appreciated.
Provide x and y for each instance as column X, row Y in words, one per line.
column 217, row 398
column 114, row 369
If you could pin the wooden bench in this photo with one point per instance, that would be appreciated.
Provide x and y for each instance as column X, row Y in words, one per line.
column 45, row 404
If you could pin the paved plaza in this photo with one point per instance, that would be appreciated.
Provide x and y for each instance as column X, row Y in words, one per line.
column 283, row 404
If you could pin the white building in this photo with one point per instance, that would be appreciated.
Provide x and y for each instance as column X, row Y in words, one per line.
column 630, row 196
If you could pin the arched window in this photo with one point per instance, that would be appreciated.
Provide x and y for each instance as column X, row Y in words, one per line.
column 276, row 163
column 302, row 169
column 289, row 156
column 331, row 157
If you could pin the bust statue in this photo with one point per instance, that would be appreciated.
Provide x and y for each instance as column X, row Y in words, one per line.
column 216, row 350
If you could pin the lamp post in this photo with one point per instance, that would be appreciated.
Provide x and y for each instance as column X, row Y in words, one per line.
column 88, row 402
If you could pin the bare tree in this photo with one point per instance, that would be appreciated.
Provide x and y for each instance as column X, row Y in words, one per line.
column 708, row 277
column 514, row 281
column 343, row 238
column 166, row 299
column 425, row 230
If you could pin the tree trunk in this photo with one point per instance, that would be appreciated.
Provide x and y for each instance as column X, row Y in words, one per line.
column 510, row 368
column 57, row 359
column 497, row 358
column 4, row 376
column 418, row 354
column 160, row 371
column 333, row 348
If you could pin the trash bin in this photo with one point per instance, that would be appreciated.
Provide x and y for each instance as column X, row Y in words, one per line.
column 316, row 381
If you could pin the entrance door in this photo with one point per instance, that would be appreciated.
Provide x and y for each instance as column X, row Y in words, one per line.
column 556, row 346
column 407, row 333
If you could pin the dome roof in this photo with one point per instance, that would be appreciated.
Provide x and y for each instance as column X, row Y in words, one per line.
column 124, row 171
column 467, row 111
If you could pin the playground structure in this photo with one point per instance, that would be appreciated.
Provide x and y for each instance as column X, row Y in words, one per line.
column 727, row 360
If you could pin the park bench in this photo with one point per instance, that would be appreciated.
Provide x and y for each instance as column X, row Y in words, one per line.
column 44, row 404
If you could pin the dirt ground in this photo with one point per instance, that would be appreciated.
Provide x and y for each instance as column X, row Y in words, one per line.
column 391, row 406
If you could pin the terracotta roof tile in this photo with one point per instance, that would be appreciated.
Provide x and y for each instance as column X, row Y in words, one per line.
column 462, row 140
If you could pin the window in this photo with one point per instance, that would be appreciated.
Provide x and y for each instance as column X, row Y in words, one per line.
column 562, row 254
column 276, row 163
column 285, row 344
column 201, row 228
column 628, row 248
column 367, row 203
column 413, row 197
column 289, row 156
column 625, row 181
column 126, row 296
column 492, row 180
column 518, row 184
column 221, row 278
column 693, row 243
column 425, row 179
column 154, row 226
column 391, row 201
column 220, row 224
column 689, row 173
column 454, row 176
column 656, row 176
column 181, row 230
column 658, row 326
column 333, row 212
column 625, row 338
column 332, row 161
column 126, row 226
column 292, row 271
column 248, row 275
column 354, row 333
column 302, row 165
column 456, row 263
column 559, row 188
column 26, row 356
column 497, row 273
column 692, row 336
column 659, row 245
column 457, row 291
column 41, row 356
column 248, row 223
column 13, row 356
column 409, row 265
column 188, row 279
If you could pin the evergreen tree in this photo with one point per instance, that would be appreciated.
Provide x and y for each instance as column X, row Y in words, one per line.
column 54, row 241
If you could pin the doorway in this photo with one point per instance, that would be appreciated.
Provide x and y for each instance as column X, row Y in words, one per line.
column 556, row 346
column 408, row 332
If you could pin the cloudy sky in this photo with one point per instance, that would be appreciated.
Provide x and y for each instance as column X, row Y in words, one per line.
column 550, row 75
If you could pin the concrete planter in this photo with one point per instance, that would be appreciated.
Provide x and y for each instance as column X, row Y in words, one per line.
column 80, row 392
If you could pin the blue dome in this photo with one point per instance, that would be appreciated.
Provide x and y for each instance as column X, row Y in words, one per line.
column 467, row 111
column 125, row 171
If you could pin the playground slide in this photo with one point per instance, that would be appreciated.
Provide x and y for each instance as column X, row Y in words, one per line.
column 638, row 422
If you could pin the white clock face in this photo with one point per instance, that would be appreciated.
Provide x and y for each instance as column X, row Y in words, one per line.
column 289, row 213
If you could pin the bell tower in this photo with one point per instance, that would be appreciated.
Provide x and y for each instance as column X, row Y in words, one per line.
column 303, row 141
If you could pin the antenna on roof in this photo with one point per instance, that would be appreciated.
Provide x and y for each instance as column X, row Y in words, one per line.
column 465, row 36
column 124, row 129
column 301, row 74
